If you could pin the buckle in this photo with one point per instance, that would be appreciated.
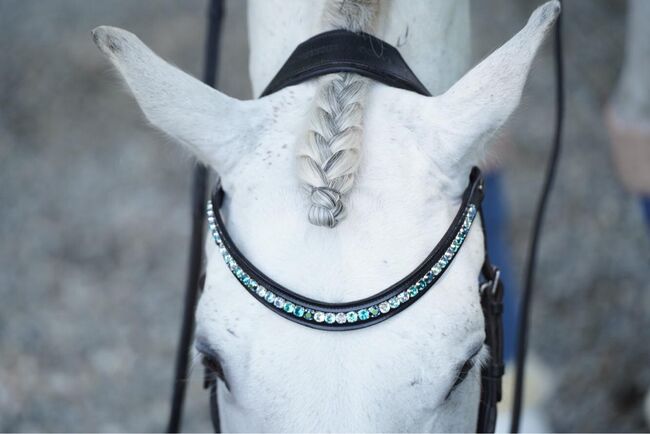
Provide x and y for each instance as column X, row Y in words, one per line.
column 491, row 284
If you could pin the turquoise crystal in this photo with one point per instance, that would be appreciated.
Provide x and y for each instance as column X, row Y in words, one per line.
column 330, row 318
column 363, row 314
column 289, row 307
column 299, row 311
column 413, row 291
column 270, row 297
column 352, row 316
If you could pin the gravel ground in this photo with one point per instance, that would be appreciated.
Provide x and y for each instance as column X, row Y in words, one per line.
column 94, row 220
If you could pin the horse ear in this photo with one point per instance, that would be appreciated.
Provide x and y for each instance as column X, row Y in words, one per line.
column 482, row 100
column 215, row 127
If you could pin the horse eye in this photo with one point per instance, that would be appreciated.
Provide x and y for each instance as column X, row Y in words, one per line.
column 213, row 370
column 461, row 376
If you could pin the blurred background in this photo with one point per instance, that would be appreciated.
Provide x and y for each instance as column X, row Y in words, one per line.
column 95, row 219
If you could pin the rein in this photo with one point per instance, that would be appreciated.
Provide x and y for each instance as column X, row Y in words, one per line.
column 364, row 54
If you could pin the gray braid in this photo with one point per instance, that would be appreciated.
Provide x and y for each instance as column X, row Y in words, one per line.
column 329, row 157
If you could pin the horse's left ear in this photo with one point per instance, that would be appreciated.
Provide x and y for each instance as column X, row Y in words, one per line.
column 219, row 130
column 481, row 101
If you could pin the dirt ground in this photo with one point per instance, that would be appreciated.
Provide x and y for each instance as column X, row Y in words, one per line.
column 94, row 220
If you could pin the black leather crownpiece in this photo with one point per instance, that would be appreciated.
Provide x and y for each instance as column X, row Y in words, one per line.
column 472, row 196
column 346, row 51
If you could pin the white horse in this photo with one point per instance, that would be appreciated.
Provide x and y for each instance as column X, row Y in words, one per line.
column 405, row 162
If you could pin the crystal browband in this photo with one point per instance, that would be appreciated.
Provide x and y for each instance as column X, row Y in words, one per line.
column 357, row 314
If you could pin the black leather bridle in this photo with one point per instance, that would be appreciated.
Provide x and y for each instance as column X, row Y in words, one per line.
column 364, row 54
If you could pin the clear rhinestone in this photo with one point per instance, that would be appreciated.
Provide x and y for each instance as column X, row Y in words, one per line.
column 394, row 302
column 443, row 262
column 448, row 255
column 330, row 318
column 261, row 291
column 384, row 307
column 403, row 297
column 270, row 297
column 341, row 318
column 279, row 302
column 319, row 317
column 436, row 269
column 363, row 314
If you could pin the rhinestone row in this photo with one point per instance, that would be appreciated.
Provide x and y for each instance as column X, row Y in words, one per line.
column 341, row 317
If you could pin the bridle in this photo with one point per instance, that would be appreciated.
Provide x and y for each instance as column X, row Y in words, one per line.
column 345, row 51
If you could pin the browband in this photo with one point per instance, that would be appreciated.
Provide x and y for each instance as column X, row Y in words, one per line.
column 346, row 51
column 355, row 314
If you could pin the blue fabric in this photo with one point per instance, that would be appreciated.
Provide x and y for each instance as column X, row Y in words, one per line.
column 645, row 204
column 495, row 213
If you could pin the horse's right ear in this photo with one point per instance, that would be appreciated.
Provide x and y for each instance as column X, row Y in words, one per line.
column 216, row 128
column 481, row 101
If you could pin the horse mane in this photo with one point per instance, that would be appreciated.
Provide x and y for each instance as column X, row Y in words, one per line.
column 329, row 155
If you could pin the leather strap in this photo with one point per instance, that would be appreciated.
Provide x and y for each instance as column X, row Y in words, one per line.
column 491, row 291
column 472, row 196
column 492, row 372
column 346, row 51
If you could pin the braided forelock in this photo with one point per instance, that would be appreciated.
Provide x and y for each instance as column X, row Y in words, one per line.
column 329, row 156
